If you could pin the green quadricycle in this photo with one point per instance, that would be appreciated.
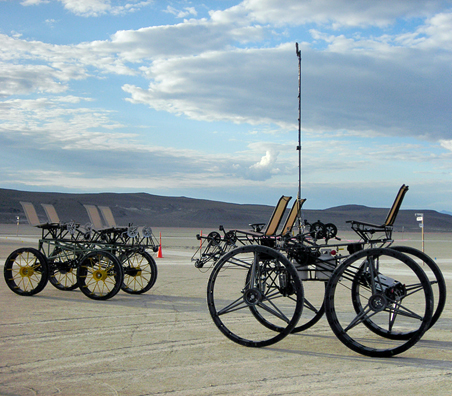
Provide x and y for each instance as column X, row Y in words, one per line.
column 99, row 260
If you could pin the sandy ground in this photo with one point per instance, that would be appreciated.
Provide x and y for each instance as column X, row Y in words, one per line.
column 165, row 343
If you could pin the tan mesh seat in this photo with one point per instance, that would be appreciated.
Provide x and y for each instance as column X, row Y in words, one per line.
column 30, row 213
column 51, row 213
column 366, row 230
column 94, row 216
column 108, row 216
column 272, row 226
column 293, row 214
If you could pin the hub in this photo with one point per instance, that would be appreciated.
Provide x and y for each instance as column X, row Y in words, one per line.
column 26, row 272
column 252, row 297
column 99, row 275
column 378, row 302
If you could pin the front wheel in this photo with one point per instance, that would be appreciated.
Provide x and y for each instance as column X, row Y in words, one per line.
column 376, row 294
column 100, row 275
column 252, row 291
column 140, row 272
column 26, row 271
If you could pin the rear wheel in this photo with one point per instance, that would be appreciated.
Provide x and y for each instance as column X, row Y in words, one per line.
column 434, row 275
column 63, row 269
column 375, row 295
column 100, row 275
column 26, row 271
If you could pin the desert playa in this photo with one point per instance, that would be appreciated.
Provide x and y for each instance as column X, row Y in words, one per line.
column 164, row 342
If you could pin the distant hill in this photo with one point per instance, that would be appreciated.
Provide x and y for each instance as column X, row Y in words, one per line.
column 159, row 211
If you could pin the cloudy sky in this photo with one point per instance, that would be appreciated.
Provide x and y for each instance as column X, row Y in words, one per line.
column 200, row 99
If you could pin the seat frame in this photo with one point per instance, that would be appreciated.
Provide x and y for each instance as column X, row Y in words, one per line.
column 366, row 231
column 259, row 231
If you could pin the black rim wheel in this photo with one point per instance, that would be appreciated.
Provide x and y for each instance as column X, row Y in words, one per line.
column 140, row 272
column 314, row 306
column 26, row 271
column 255, row 282
column 63, row 269
column 100, row 275
column 434, row 275
column 378, row 291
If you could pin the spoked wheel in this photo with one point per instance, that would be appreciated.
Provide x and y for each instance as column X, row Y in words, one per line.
column 255, row 282
column 100, row 275
column 140, row 272
column 375, row 292
column 63, row 269
column 314, row 307
column 26, row 271
column 435, row 277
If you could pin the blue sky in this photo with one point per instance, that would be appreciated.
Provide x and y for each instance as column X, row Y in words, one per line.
column 199, row 99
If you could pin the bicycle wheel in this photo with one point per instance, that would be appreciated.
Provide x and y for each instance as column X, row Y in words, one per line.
column 26, row 272
column 378, row 291
column 63, row 269
column 261, row 280
column 434, row 275
column 100, row 275
column 313, row 306
column 140, row 272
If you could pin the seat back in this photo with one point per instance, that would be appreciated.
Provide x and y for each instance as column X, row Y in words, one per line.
column 108, row 216
column 94, row 216
column 30, row 213
column 275, row 219
column 392, row 214
column 51, row 213
column 293, row 214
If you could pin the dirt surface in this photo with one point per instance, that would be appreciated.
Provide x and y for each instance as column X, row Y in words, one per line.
column 165, row 343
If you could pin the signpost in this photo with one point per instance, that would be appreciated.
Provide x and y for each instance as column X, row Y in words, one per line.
column 420, row 218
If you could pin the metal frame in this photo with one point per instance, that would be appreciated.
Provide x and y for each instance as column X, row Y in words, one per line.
column 317, row 255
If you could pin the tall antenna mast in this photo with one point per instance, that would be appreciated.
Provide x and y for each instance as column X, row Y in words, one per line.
column 299, row 130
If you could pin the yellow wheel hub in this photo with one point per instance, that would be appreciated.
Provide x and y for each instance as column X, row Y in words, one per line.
column 100, row 275
column 26, row 272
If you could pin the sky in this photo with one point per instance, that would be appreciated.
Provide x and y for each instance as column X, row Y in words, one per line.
column 200, row 99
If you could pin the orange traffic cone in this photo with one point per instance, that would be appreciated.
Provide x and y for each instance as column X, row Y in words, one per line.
column 159, row 254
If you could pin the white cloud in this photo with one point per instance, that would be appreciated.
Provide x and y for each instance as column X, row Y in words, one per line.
column 95, row 8
column 338, row 13
column 181, row 14
column 237, row 86
column 26, row 79
column 33, row 2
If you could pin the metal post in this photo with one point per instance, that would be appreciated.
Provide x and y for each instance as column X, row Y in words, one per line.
column 420, row 218
column 299, row 131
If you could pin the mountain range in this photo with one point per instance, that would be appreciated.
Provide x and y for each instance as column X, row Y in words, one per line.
column 160, row 211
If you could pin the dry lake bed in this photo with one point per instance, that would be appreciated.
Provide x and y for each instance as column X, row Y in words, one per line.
column 164, row 342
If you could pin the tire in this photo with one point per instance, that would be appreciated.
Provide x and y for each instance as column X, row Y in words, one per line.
column 363, row 301
column 100, row 275
column 26, row 271
column 140, row 272
column 434, row 275
column 314, row 306
column 254, row 282
column 63, row 269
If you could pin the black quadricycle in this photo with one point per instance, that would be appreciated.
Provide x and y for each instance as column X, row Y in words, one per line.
column 379, row 299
